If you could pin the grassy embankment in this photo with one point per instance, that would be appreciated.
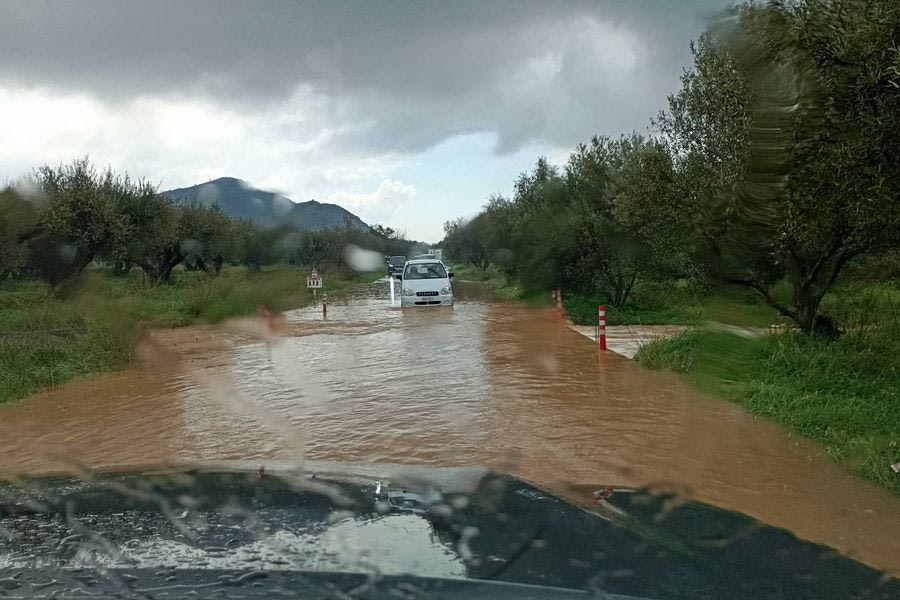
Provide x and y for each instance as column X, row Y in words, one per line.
column 844, row 394
column 650, row 304
column 45, row 340
column 491, row 278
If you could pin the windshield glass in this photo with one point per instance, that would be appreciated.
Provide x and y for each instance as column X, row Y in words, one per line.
column 597, row 250
column 425, row 271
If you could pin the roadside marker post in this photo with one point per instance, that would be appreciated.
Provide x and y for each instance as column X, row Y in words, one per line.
column 314, row 282
column 556, row 299
column 324, row 305
column 601, row 327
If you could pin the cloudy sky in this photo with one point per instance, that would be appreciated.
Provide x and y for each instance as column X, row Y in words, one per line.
column 406, row 113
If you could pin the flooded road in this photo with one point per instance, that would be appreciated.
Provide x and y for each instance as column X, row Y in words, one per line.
column 485, row 383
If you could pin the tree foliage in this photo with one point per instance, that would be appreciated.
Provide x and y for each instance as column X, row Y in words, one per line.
column 600, row 225
column 776, row 161
column 784, row 134
column 18, row 219
column 74, row 214
column 469, row 241
column 154, row 225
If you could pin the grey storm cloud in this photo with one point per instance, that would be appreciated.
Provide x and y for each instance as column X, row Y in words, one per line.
column 386, row 76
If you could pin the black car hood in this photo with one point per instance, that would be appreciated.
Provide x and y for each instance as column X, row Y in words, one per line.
column 373, row 529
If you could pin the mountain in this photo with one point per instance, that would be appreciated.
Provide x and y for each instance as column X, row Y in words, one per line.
column 239, row 199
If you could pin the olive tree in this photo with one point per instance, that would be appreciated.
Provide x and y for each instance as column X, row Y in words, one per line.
column 209, row 237
column 156, row 228
column 18, row 219
column 784, row 134
column 78, row 220
column 626, row 223
column 467, row 241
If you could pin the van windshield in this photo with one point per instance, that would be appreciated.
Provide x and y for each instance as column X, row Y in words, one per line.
column 425, row 271
column 398, row 261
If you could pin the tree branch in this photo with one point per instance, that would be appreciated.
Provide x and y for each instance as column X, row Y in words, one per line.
column 842, row 260
column 764, row 293
column 829, row 254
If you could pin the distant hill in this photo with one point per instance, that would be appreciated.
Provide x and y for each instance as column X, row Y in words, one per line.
column 239, row 199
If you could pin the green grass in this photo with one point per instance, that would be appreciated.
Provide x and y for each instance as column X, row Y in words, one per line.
column 675, row 353
column 495, row 282
column 469, row 273
column 844, row 394
column 45, row 340
column 680, row 302
column 673, row 303
column 582, row 310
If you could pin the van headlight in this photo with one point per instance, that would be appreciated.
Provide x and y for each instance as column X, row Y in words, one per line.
column 445, row 291
column 408, row 292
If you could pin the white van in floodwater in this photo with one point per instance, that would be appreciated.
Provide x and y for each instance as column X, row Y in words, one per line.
column 425, row 282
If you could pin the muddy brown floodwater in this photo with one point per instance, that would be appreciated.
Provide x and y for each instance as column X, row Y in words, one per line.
column 485, row 383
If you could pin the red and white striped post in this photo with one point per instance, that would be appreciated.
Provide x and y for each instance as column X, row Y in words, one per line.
column 553, row 297
column 324, row 305
column 601, row 327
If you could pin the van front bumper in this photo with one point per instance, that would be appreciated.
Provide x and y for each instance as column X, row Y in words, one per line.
column 417, row 301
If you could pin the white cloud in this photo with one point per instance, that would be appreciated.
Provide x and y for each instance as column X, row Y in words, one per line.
column 364, row 168
column 179, row 142
column 390, row 194
column 371, row 79
column 35, row 122
column 319, row 101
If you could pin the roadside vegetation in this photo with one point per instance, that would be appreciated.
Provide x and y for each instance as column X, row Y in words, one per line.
column 60, row 220
column 491, row 277
column 767, row 195
column 46, row 339
column 843, row 393
column 88, row 258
